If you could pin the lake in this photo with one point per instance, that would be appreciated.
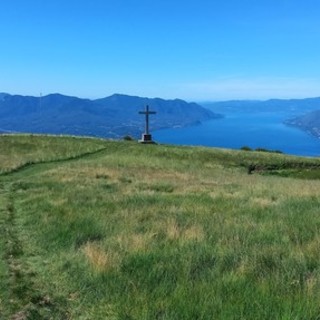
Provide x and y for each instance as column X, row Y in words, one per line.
column 238, row 129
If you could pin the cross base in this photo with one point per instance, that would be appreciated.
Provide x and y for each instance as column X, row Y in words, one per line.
column 146, row 139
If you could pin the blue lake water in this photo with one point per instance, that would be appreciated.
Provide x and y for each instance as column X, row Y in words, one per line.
column 236, row 129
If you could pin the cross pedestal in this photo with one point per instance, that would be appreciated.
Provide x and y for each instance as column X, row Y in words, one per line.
column 146, row 137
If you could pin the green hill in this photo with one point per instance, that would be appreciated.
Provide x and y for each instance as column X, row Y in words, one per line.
column 96, row 229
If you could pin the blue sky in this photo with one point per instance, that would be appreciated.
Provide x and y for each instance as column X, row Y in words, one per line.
column 195, row 50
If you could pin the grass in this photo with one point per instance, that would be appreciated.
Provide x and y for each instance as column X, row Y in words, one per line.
column 156, row 232
column 17, row 151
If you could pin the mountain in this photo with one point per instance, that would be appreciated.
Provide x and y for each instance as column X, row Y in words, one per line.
column 293, row 106
column 112, row 117
column 309, row 122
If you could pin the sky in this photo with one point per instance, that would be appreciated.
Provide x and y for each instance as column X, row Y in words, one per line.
column 197, row 50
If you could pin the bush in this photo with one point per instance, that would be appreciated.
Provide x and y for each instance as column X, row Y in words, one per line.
column 266, row 150
column 128, row 138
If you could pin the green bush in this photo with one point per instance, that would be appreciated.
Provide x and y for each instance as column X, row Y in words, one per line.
column 128, row 138
column 246, row 148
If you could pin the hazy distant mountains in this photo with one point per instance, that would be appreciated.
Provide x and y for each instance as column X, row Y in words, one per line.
column 112, row 117
column 293, row 106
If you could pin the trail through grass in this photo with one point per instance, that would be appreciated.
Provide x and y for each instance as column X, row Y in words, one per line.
column 159, row 232
column 18, row 151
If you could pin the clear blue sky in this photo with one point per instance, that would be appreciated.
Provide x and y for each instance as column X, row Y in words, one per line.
column 191, row 49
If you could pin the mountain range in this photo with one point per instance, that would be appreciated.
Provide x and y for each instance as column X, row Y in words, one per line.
column 293, row 106
column 118, row 115
column 113, row 117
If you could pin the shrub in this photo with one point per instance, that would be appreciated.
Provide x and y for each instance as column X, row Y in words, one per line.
column 128, row 138
column 266, row 150
column 246, row 148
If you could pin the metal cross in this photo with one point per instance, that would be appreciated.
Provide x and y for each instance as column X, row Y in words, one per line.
column 147, row 112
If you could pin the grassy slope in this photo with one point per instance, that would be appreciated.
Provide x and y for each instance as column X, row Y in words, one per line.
column 20, row 150
column 156, row 232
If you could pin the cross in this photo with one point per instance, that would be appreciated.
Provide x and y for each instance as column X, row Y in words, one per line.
column 146, row 137
column 147, row 112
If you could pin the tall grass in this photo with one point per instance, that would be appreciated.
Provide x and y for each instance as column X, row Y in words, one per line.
column 19, row 150
column 159, row 232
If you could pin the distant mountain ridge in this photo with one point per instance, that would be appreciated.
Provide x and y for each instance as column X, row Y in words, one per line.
column 271, row 105
column 113, row 116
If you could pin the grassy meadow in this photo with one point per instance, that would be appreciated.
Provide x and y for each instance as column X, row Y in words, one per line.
column 24, row 150
column 94, row 229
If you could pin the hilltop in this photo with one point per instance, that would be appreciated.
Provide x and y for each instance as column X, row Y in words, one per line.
column 97, row 229
column 112, row 117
